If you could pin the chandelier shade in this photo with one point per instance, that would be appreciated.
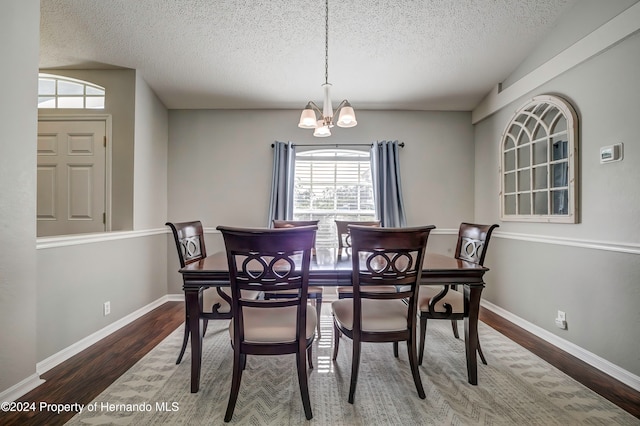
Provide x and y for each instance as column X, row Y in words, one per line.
column 321, row 120
column 307, row 118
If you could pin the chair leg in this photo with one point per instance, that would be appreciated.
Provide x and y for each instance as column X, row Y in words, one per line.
column 304, row 386
column 205, row 323
column 310, row 356
column 238, row 365
column 336, row 341
column 184, row 343
column 454, row 326
column 423, row 334
column 484, row 361
column 413, row 362
column 395, row 349
column 318, row 311
column 355, row 364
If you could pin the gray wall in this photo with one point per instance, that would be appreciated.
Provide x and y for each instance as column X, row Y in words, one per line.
column 51, row 298
column 593, row 272
column 577, row 22
column 19, row 32
column 150, row 158
column 74, row 281
column 120, row 102
column 220, row 166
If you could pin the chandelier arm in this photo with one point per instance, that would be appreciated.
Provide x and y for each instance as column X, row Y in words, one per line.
column 342, row 104
column 316, row 108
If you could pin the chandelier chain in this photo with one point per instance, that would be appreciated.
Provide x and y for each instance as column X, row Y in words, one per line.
column 321, row 120
column 326, row 43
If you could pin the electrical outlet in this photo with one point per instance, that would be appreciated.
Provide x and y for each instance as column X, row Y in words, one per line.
column 561, row 320
column 106, row 308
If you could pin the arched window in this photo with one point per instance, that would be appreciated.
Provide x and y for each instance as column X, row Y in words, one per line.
column 538, row 173
column 55, row 91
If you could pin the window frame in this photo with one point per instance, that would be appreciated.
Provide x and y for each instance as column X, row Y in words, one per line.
column 56, row 96
column 327, row 235
column 526, row 181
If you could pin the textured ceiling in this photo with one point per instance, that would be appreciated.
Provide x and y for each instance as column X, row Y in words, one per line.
column 229, row 54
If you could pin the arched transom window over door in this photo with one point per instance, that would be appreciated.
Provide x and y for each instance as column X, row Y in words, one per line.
column 59, row 92
column 538, row 172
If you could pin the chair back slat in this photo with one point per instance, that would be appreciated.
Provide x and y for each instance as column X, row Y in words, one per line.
column 268, row 260
column 189, row 239
column 387, row 257
column 473, row 241
column 344, row 236
column 294, row 223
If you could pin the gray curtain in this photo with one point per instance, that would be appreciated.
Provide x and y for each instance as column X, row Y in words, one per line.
column 281, row 203
column 387, row 187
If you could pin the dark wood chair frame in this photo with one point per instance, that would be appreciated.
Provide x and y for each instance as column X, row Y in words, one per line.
column 316, row 296
column 472, row 245
column 344, row 237
column 189, row 239
column 344, row 244
column 398, row 243
column 271, row 249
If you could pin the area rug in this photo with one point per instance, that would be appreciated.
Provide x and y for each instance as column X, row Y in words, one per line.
column 516, row 388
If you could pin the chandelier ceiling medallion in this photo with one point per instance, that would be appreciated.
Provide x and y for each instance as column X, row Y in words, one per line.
column 322, row 125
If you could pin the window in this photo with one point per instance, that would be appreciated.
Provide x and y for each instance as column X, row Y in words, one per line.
column 332, row 184
column 62, row 92
column 538, row 163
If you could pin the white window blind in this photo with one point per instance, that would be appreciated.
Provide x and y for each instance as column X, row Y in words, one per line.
column 332, row 184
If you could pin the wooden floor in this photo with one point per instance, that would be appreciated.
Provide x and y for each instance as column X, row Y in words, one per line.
column 84, row 376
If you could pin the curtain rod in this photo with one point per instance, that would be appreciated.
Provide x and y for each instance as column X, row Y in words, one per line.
column 337, row 145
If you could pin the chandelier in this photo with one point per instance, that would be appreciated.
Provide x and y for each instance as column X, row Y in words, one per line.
column 323, row 122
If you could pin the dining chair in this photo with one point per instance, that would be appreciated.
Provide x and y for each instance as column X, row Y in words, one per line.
column 446, row 302
column 315, row 292
column 382, row 257
column 270, row 260
column 344, row 236
column 189, row 240
column 344, row 246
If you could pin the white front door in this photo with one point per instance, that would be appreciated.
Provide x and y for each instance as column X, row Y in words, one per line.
column 71, row 177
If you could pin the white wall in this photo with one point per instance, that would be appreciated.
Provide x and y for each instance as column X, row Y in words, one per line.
column 590, row 270
column 19, row 32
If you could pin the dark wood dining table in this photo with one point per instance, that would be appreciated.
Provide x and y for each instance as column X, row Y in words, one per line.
column 329, row 269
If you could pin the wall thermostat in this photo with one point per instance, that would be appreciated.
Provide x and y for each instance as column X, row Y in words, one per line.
column 611, row 153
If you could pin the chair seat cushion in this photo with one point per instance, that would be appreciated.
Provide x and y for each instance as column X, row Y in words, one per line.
column 210, row 297
column 377, row 315
column 453, row 297
column 274, row 325
column 369, row 288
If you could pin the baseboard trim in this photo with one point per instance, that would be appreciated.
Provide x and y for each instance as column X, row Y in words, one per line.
column 590, row 358
column 57, row 358
column 19, row 389
column 175, row 297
